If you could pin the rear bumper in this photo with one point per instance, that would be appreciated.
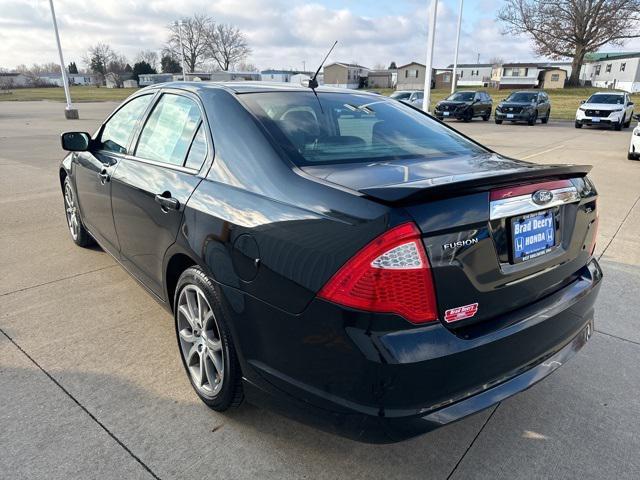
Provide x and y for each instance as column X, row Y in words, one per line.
column 386, row 386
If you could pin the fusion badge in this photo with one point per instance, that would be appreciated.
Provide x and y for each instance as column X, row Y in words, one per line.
column 460, row 313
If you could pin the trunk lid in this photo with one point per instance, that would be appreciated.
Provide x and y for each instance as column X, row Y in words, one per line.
column 471, row 212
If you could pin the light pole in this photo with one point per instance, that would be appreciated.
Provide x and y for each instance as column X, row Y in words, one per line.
column 454, row 80
column 70, row 113
column 430, row 43
column 184, row 70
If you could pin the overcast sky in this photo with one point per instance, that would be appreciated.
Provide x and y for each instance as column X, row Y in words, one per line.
column 281, row 33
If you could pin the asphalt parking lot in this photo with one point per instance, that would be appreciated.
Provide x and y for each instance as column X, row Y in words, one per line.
column 91, row 384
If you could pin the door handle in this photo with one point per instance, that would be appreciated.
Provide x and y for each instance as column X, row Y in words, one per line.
column 167, row 202
column 104, row 176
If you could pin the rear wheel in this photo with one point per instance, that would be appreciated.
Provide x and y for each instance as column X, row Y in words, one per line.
column 205, row 343
column 79, row 234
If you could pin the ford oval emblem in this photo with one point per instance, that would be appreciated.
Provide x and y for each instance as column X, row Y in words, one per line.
column 542, row 197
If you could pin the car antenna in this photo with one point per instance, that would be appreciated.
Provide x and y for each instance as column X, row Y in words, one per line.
column 313, row 82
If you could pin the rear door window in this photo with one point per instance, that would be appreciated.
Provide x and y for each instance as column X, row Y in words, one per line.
column 117, row 131
column 170, row 130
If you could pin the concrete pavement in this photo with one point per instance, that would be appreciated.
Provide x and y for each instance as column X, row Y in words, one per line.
column 91, row 384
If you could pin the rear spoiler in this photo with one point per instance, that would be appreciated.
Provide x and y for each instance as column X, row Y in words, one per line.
column 442, row 187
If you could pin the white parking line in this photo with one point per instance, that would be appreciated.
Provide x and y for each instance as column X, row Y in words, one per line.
column 544, row 151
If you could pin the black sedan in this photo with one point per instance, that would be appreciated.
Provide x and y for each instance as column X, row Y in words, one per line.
column 525, row 106
column 338, row 256
column 465, row 106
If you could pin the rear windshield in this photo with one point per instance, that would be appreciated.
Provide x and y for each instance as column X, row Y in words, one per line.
column 606, row 98
column 461, row 97
column 348, row 128
column 523, row 97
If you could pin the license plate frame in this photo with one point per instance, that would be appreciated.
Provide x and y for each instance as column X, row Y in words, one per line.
column 533, row 235
column 509, row 115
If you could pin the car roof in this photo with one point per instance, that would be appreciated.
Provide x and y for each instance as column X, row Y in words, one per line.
column 252, row 87
column 609, row 92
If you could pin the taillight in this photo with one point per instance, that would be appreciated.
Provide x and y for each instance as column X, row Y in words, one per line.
column 389, row 275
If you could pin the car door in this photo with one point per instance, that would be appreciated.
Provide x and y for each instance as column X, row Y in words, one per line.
column 478, row 105
column 151, row 187
column 93, row 169
column 628, row 108
column 544, row 104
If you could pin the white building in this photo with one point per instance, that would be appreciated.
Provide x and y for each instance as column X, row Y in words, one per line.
column 473, row 74
column 620, row 71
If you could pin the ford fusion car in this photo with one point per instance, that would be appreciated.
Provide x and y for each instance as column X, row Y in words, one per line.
column 465, row 106
column 338, row 256
column 634, row 147
column 524, row 107
column 614, row 109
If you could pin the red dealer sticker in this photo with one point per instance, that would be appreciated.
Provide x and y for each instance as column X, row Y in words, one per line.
column 460, row 313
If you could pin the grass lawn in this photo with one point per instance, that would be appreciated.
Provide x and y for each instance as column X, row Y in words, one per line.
column 78, row 94
column 564, row 102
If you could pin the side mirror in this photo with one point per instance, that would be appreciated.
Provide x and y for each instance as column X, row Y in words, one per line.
column 75, row 141
column 631, row 104
column 582, row 101
column 637, row 117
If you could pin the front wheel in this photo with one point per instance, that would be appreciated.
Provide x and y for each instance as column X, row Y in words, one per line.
column 618, row 126
column 204, row 339
column 79, row 234
column 633, row 156
column 468, row 116
column 533, row 118
column 485, row 117
column 627, row 124
column 545, row 119
column 578, row 125
column 498, row 122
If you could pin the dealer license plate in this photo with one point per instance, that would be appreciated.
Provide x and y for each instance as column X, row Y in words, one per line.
column 532, row 235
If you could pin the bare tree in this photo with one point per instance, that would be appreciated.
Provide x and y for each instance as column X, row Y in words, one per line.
column 116, row 69
column 227, row 46
column 98, row 59
column 496, row 61
column 195, row 32
column 572, row 28
column 148, row 56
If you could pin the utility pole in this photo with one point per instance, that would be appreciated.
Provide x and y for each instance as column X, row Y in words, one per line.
column 184, row 70
column 454, row 80
column 70, row 113
column 426, row 101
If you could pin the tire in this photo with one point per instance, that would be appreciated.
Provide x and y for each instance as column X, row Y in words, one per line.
column 578, row 125
column 545, row 119
column 627, row 124
column 498, row 122
column 216, row 379
column 468, row 116
column 485, row 118
column 79, row 234
column 533, row 118
column 633, row 156
column 618, row 126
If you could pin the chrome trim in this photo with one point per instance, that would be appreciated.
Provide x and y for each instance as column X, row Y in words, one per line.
column 523, row 204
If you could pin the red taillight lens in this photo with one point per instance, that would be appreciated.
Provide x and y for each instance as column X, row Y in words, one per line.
column 389, row 275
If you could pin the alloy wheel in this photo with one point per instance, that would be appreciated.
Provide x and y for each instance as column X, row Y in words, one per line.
column 71, row 211
column 200, row 341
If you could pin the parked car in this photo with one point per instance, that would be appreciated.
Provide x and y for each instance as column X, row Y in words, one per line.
column 634, row 147
column 465, row 106
column 408, row 96
column 343, row 258
column 524, row 106
column 606, row 108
